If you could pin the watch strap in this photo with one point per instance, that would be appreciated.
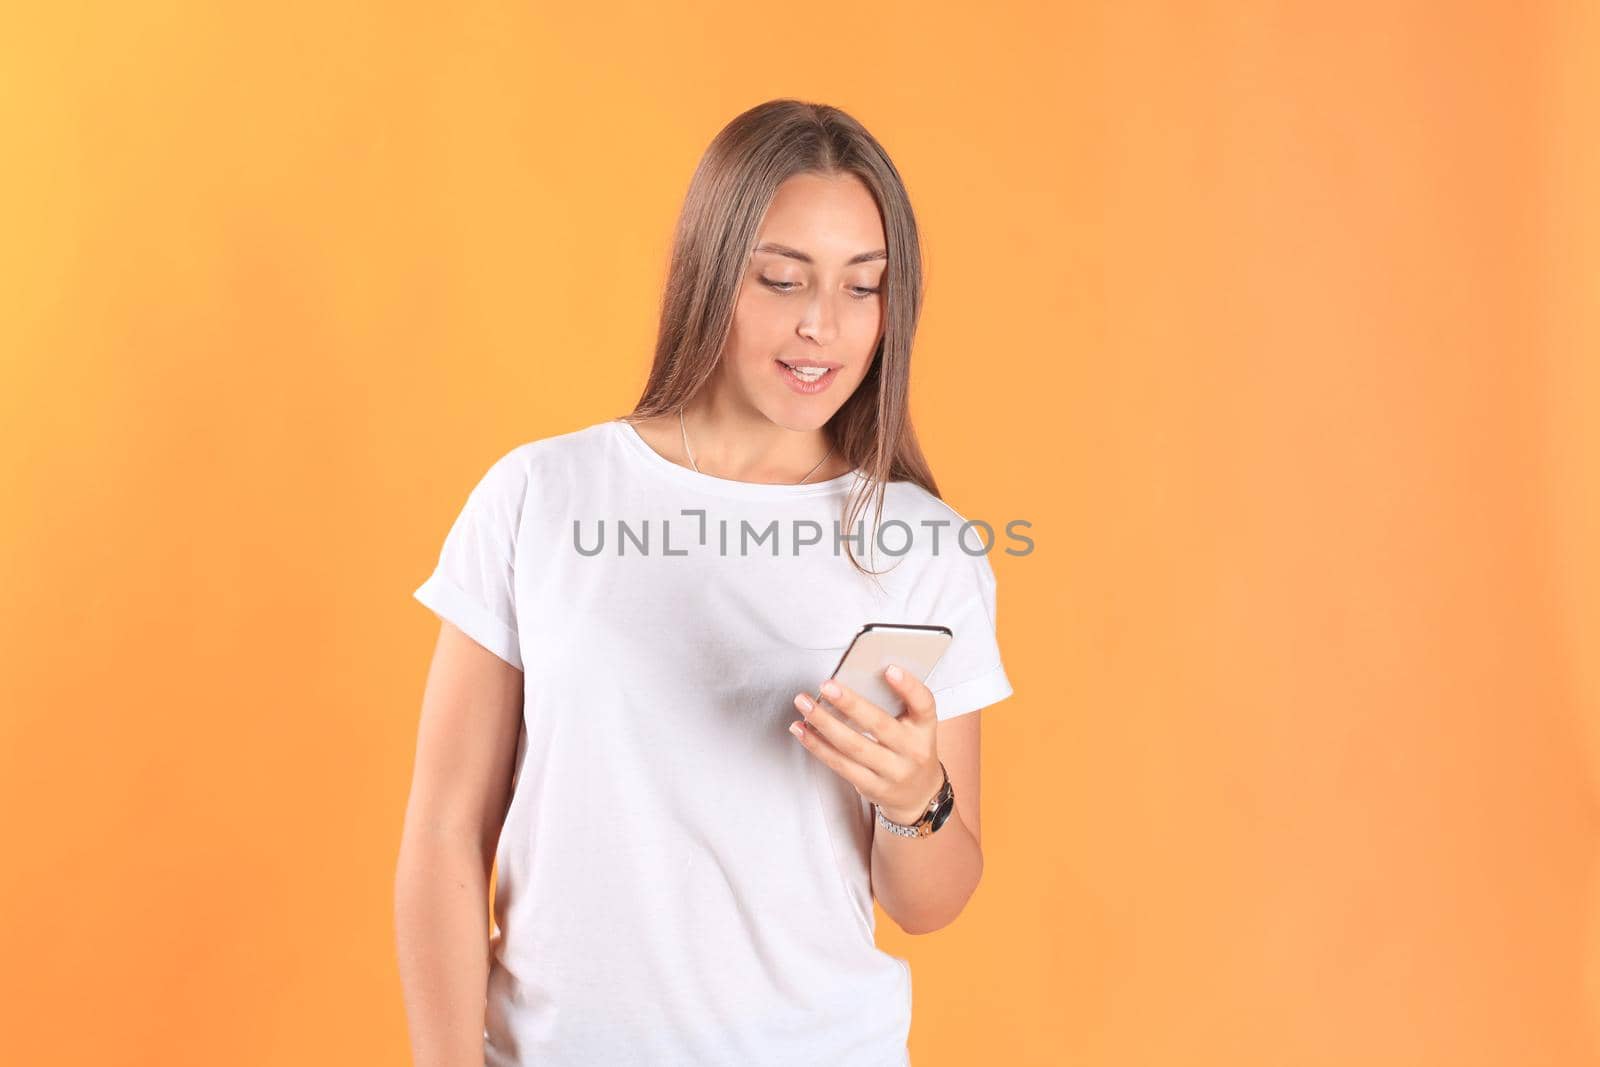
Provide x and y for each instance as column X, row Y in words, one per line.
column 936, row 814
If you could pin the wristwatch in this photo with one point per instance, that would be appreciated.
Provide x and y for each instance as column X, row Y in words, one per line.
column 939, row 809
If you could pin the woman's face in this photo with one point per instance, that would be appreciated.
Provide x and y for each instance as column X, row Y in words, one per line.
column 811, row 297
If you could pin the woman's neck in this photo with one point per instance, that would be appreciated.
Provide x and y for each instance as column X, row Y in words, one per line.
column 743, row 447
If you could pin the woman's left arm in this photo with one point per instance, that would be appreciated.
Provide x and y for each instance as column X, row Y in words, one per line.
column 923, row 883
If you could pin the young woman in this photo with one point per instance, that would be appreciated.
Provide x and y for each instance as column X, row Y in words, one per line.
column 634, row 615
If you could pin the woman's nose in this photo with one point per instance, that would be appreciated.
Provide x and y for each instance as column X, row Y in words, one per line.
column 820, row 322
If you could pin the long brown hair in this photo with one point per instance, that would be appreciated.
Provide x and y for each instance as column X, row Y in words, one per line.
column 732, row 187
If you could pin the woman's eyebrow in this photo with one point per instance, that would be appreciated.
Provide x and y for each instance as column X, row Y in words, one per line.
column 795, row 253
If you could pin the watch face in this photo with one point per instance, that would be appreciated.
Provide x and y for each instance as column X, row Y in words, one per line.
column 943, row 813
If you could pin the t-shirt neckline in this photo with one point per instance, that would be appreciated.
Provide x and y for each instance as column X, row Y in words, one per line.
column 693, row 479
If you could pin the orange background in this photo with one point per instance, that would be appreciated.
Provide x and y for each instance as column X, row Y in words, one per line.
column 1278, row 322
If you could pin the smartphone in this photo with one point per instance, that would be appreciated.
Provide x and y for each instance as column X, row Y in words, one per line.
column 915, row 648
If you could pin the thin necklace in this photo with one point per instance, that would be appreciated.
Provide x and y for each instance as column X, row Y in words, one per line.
column 696, row 466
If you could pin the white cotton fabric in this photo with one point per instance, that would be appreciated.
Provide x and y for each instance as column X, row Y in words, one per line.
column 679, row 881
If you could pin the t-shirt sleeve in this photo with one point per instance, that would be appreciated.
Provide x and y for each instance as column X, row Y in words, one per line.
column 969, row 675
column 472, row 586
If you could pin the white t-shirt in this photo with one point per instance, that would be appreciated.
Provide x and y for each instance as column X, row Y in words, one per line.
column 680, row 882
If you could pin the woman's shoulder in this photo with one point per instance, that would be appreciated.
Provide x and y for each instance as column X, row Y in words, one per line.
column 922, row 535
column 909, row 502
column 561, row 446
column 539, row 464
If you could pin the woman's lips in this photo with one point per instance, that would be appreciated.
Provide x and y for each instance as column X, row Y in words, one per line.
column 800, row 385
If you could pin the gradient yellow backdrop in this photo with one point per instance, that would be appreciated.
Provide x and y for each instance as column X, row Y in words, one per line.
column 1278, row 321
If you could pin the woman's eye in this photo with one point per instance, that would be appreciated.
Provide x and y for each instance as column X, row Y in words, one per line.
column 861, row 292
